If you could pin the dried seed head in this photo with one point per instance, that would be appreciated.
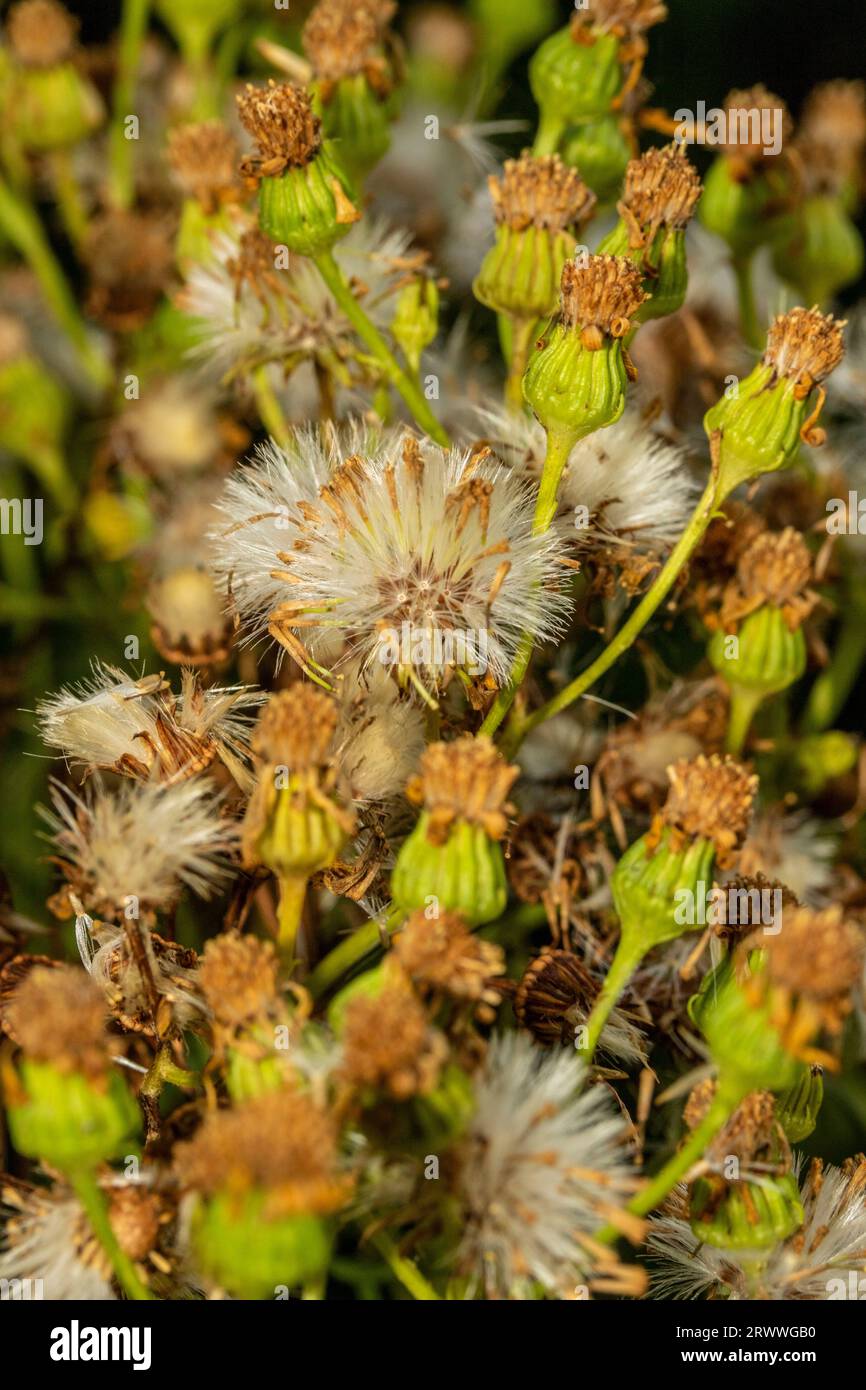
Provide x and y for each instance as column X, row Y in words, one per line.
column 834, row 116
column 238, row 978
column 746, row 141
column 662, row 188
column 389, row 1043
column 554, row 997
column 281, row 1142
column 130, row 258
column 540, row 192
column 710, row 798
column 136, row 1219
column 41, row 33
column 732, row 920
column 191, row 626
column 281, row 121
column 58, row 1016
column 205, row 157
column 818, row 956
column 805, row 346
column 295, row 728
column 630, row 17
column 600, row 295
column 775, row 569
column 467, row 779
column 341, row 36
column 443, row 954
column 752, row 1134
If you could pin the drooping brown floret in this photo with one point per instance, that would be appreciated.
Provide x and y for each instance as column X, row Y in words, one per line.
column 467, row 779
column 238, row 978
column 627, row 17
column 540, row 191
column 295, row 728
column 281, row 1142
column 58, row 1016
column 389, row 1043
column 204, row 156
column 443, row 955
column 776, row 570
column 710, row 798
column 41, row 33
column 818, row 955
column 805, row 346
column 341, row 38
column 662, row 188
column 281, row 121
column 745, row 128
column 834, row 119
column 600, row 295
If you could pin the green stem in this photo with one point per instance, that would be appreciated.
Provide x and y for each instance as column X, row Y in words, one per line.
column 405, row 1270
column 133, row 25
column 70, row 205
column 351, row 951
column 550, row 132
column 628, row 957
column 49, row 466
column 744, row 707
column 22, row 226
column 746, row 296
column 372, row 339
column 640, row 616
column 290, row 911
column 89, row 1194
column 269, row 408
column 835, row 683
column 522, row 331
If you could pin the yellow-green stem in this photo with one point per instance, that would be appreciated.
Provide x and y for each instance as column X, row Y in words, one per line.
column 405, row 1270
column 133, row 25
column 522, row 331
column 70, row 205
column 628, row 957
column 746, row 297
column 744, row 706
column 269, row 408
column 290, row 911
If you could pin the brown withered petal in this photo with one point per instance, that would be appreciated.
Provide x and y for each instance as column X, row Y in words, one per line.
column 443, row 954
column 602, row 293
column 238, row 978
column 736, row 906
column 295, row 728
column 467, row 779
column 834, row 115
column 661, row 189
column 817, row 954
column 58, row 1016
column 204, row 155
column 40, row 33
column 280, row 119
column 710, row 798
column 340, row 36
column 805, row 345
column 389, row 1043
column 752, row 1134
column 540, row 191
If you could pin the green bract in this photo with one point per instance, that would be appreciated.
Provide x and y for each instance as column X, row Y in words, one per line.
column 466, row 874
column 254, row 1256
column 68, row 1120
column 308, row 208
column 572, row 389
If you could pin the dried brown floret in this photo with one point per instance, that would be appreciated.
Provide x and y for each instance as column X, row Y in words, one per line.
column 130, row 257
column 389, row 1043
column 205, row 156
column 752, row 1135
column 819, row 955
column 627, row 17
column 834, row 117
column 295, row 728
column 554, row 997
column 443, row 955
column 662, row 188
column 280, row 119
column 600, row 295
column 736, row 905
column 238, row 978
column 776, row 570
column 540, row 191
column 467, row 779
column 341, row 38
column 805, row 346
column 137, row 1217
column 41, row 33
column 745, row 142
column 58, row 1016
column 710, row 798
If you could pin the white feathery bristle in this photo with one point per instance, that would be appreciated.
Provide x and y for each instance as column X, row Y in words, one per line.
column 380, row 736
column 45, row 1237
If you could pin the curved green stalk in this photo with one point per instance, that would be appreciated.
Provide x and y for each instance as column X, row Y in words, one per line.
column 622, row 967
column 372, row 339
column 405, row 1270
column 746, row 297
column 744, row 707
column 549, row 134
column 352, row 951
column 269, row 408
column 522, row 331
column 133, row 25
column 832, row 687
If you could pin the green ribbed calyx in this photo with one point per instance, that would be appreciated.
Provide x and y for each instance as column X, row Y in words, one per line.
column 601, row 150
column 49, row 109
column 759, row 426
column 521, row 272
column 196, row 23
column 820, row 250
column 416, row 318
column 573, row 80
column 253, row 1257
column 797, row 1107
column 739, row 1027
column 453, row 858
column 70, row 1120
column 650, row 886
column 741, row 213
column 749, row 1216
column 768, row 656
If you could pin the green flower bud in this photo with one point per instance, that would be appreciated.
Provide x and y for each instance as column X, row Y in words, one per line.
column 204, row 158
column 508, row 27
column 601, row 151
column 576, row 381
column 575, row 79
column 759, row 428
column 821, row 251
column 358, row 121
column 649, row 887
column 750, row 1215
column 820, row 758
column 305, row 196
column 416, row 318
column 47, row 103
column 537, row 203
column 797, row 1107
column 453, row 857
column 744, row 1043
column 252, row 1257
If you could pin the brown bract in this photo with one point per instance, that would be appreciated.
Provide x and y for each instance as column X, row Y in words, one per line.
column 554, row 997
column 467, row 779
column 40, row 33
column 710, row 798
column 389, row 1043
column 776, row 570
column 627, row 17
column 281, row 121
column 58, row 1016
column 204, row 156
column 599, row 296
column 661, row 189
column 342, row 39
column 238, row 978
column 804, row 346
column 540, row 191
column 442, row 954
column 281, row 1142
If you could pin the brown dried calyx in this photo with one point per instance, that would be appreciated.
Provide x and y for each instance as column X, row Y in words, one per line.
column 40, row 33
column 833, row 131
column 662, row 188
column 467, row 779
column 746, row 144
column 57, row 1016
column 624, row 17
column 554, row 997
column 710, row 798
column 540, row 191
column 205, row 156
column 389, row 1043
column 443, row 955
column 281, row 1142
column 342, row 38
column 804, row 346
column 295, row 729
column 238, row 978
column 280, row 119
column 818, row 957
column 776, row 570
column 599, row 297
